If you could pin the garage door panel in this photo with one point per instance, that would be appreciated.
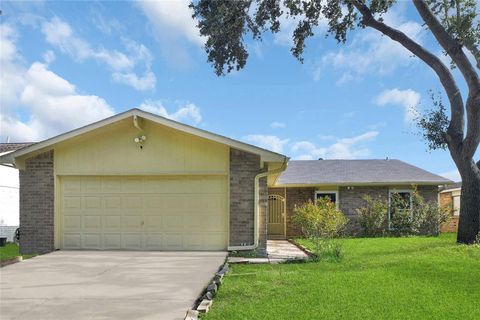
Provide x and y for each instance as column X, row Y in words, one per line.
column 145, row 213
column 153, row 241
column 72, row 241
column 132, row 241
column 92, row 203
column 92, row 222
column 72, row 221
column 173, row 241
column 132, row 222
column 91, row 241
column 112, row 241
column 112, row 221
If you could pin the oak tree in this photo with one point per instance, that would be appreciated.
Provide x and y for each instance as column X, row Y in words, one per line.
column 453, row 23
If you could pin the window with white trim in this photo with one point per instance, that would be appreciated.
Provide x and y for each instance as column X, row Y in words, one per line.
column 399, row 200
column 331, row 195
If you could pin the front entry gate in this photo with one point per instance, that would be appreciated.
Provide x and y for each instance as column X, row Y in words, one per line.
column 276, row 217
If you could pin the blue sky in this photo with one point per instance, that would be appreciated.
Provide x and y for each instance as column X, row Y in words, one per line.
column 65, row 64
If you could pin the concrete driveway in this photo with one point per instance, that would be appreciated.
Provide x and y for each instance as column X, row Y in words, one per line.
column 106, row 284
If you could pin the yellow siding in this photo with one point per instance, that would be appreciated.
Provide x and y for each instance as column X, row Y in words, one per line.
column 111, row 150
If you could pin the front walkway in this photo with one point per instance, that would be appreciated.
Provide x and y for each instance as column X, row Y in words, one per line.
column 277, row 251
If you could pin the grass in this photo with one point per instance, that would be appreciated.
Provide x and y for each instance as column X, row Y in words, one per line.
column 381, row 278
column 10, row 251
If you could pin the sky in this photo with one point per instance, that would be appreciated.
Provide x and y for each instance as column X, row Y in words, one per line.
column 65, row 64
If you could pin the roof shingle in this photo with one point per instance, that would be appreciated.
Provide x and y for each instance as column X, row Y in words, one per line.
column 341, row 172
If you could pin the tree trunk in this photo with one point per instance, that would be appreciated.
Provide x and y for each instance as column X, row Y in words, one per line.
column 469, row 224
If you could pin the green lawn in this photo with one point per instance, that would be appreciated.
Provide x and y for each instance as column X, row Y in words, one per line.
column 383, row 278
column 11, row 251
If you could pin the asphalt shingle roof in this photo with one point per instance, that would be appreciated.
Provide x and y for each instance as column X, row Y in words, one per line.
column 5, row 147
column 356, row 172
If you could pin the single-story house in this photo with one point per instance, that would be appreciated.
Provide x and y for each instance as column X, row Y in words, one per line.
column 450, row 196
column 345, row 182
column 138, row 181
column 9, row 193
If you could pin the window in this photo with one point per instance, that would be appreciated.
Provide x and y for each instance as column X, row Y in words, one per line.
column 399, row 200
column 456, row 205
column 332, row 195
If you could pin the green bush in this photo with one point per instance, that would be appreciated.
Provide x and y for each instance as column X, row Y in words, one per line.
column 373, row 216
column 423, row 218
column 321, row 223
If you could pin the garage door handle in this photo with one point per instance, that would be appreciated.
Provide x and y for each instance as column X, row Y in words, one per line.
column 143, row 222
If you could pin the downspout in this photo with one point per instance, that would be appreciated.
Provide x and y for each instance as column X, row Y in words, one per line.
column 256, row 207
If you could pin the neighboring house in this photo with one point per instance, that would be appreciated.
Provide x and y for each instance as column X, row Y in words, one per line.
column 138, row 181
column 9, row 212
column 450, row 196
column 345, row 182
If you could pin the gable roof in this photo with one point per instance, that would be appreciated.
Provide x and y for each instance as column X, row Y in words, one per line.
column 6, row 147
column 266, row 155
column 351, row 172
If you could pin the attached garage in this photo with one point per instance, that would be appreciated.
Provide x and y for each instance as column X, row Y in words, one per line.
column 138, row 181
column 144, row 213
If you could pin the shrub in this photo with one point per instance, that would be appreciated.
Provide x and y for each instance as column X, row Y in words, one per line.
column 423, row 218
column 431, row 215
column 321, row 223
column 373, row 216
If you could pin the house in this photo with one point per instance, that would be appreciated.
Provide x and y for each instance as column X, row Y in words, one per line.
column 9, row 214
column 345, row 182
column 450, row 196
column 138, row 181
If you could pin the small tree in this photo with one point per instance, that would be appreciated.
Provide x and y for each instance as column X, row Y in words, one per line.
column 321, row 223
column 431, row 215
column 373, row 216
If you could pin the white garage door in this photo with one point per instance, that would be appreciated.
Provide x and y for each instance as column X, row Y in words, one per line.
column 139, row 213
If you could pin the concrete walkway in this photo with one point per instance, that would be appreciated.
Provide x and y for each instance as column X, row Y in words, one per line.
column 277, row 251
column 106, row 284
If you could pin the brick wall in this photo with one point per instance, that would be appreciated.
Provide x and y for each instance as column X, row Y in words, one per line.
column 37, row 205
column 244, row 167
column 352, row 199
column 349, row 200
column 295, row 197
column 452, row 224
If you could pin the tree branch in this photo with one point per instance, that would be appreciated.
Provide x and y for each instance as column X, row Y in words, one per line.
column 475, row 52
column 457, row 123
column 452, row 47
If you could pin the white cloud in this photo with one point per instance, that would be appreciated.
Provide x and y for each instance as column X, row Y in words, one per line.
column 277, row 125
column 52, row 103
column 189, row 113
column 132, row 79
column 407, row 99
column 453, row 175
column 174, row 28
column 60, row 34
column 54, row 106
column 49, row 56
column 346, row 148
column 11, row 67
column 174, row 16
column 370, row 52
column 273, row 143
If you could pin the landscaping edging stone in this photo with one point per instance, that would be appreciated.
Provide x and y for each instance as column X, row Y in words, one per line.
column 205, row 300
column 10, row 261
